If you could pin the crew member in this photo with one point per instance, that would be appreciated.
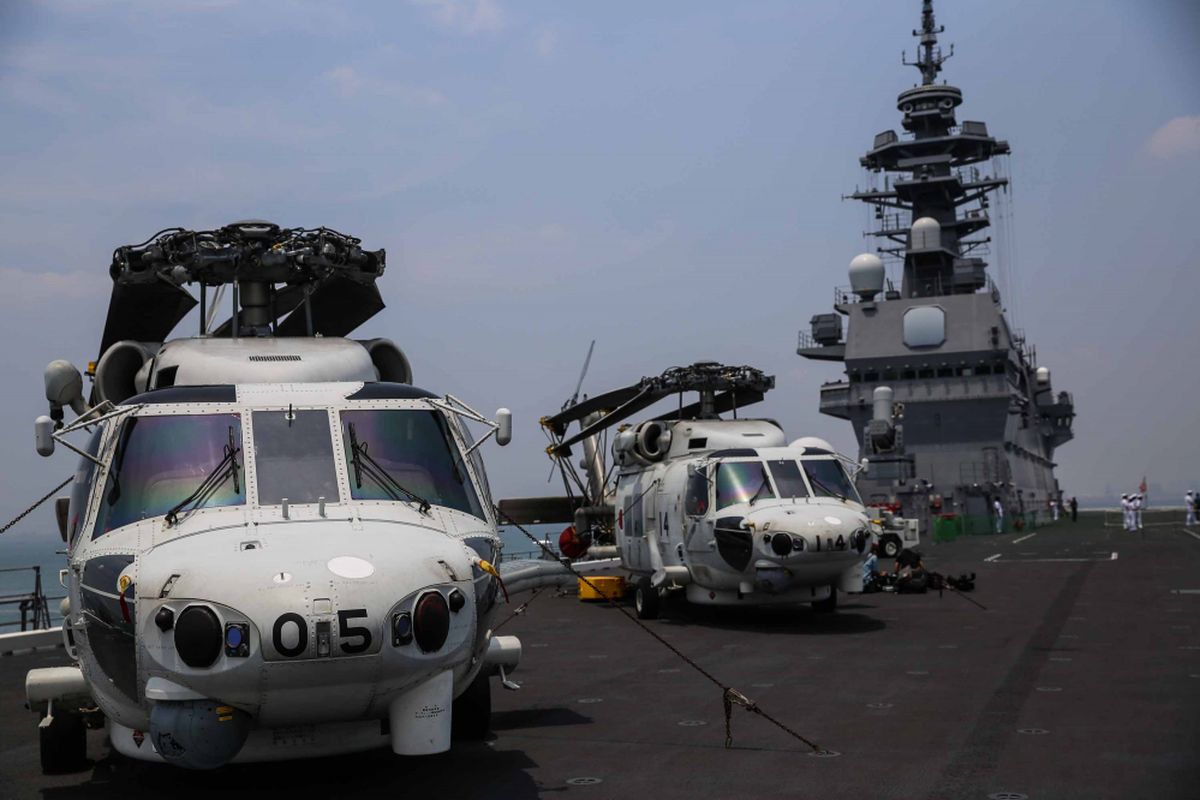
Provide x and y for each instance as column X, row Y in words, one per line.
column 909, row 569
column 1126, row 512
column 1139, row 500
column 998, row 510
column 1054, row 509
column 871, row 573
column 1189, row 506
column 1074, row 509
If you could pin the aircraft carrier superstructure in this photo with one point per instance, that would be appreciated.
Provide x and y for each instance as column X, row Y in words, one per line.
column 947, row 400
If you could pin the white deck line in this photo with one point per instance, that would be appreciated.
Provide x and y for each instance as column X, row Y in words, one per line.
column 1191, row 534
column 995, row 559
column 1023, row 538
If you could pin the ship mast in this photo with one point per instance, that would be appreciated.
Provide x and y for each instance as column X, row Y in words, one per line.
column 931, row 176
column 930, row 58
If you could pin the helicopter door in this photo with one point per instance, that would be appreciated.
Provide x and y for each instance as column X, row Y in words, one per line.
column 638, row 511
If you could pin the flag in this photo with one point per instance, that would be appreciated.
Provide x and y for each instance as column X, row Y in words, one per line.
column 1142, row 485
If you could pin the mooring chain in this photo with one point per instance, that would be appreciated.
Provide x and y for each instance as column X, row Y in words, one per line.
column 43, row 499
column 520, row 610
column 729, row 695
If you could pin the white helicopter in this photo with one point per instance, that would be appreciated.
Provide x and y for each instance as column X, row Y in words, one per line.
column 723, row 509
column 278, row 547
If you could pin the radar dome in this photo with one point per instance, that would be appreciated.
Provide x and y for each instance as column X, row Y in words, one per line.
column 1043, row 376
column 813, row 443
column 866, row 275
column 926, row 234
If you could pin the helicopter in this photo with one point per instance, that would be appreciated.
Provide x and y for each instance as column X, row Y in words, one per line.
column 724, row 510
column 277, row 546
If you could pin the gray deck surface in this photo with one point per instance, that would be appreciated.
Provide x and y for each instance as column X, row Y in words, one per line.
column 922, row 696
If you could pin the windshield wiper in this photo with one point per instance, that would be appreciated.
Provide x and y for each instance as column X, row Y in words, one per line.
column 758, row 491
column 365, row 465
column 820, row 485
column 227, row 467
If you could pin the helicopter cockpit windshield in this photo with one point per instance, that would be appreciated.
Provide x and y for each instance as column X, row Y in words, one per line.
column 175, row 464
column 160, row 461
column 742, row 482
column 412, row 448
column 751, row 481
column 829, row 479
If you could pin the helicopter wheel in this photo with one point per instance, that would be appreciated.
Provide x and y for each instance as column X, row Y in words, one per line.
column 890, row 546
column 63, row 744
column 471, row 713
column 645, row 599
column 829, row 604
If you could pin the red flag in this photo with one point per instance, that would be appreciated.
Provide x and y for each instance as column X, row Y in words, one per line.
column 1142, row 485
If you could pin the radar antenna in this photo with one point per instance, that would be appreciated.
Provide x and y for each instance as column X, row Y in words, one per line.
column 929, row 55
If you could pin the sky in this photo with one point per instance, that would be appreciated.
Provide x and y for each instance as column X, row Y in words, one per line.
column 662, row 177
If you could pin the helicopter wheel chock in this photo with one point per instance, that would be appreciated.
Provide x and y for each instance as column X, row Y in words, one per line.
column 645, row 599
column 471, row 713
column 62, row 743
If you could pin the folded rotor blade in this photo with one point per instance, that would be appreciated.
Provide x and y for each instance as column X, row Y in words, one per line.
column 144, row 312
column 647, row 397
column 339, row 305
column 601, row 402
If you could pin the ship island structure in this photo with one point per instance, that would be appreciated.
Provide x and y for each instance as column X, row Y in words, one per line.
column 949, row 406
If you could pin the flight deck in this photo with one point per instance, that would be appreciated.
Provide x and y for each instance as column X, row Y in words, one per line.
column 1079, row 679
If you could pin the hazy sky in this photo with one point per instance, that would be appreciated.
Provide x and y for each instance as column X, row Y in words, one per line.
column 662, row 177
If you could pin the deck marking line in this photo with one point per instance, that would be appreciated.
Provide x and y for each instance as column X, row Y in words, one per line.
column 1023, row 538
column 993, row 558
column 1185, row 591
column 1114, row 555
column 1191, row 533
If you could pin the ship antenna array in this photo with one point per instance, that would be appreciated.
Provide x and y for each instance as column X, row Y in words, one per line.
column 929, row 55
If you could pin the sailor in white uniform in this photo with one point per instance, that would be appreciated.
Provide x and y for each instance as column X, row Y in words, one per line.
column 1189, row 502
column 1126, row 512
column 999, row 509
column 1054, row 509
column 1137, row 503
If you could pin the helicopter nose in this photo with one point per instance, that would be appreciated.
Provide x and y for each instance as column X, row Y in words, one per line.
column 303, row 593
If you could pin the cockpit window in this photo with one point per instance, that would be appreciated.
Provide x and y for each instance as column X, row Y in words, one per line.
column 696, row 501
column 828, row 479
column 415, row 450
column 81, row 485
column 293, row 454
column 788, row 480
column 160, row 461
column 741, row 482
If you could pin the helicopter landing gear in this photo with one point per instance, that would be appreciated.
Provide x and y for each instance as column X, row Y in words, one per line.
column 645, row 599
column 829, row 604
column 889, row 546
column 471, row 713
column 62, row 740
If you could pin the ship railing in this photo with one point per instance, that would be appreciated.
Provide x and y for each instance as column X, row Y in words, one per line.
column 805, row 341
column 32, row 608
column 843, row 295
